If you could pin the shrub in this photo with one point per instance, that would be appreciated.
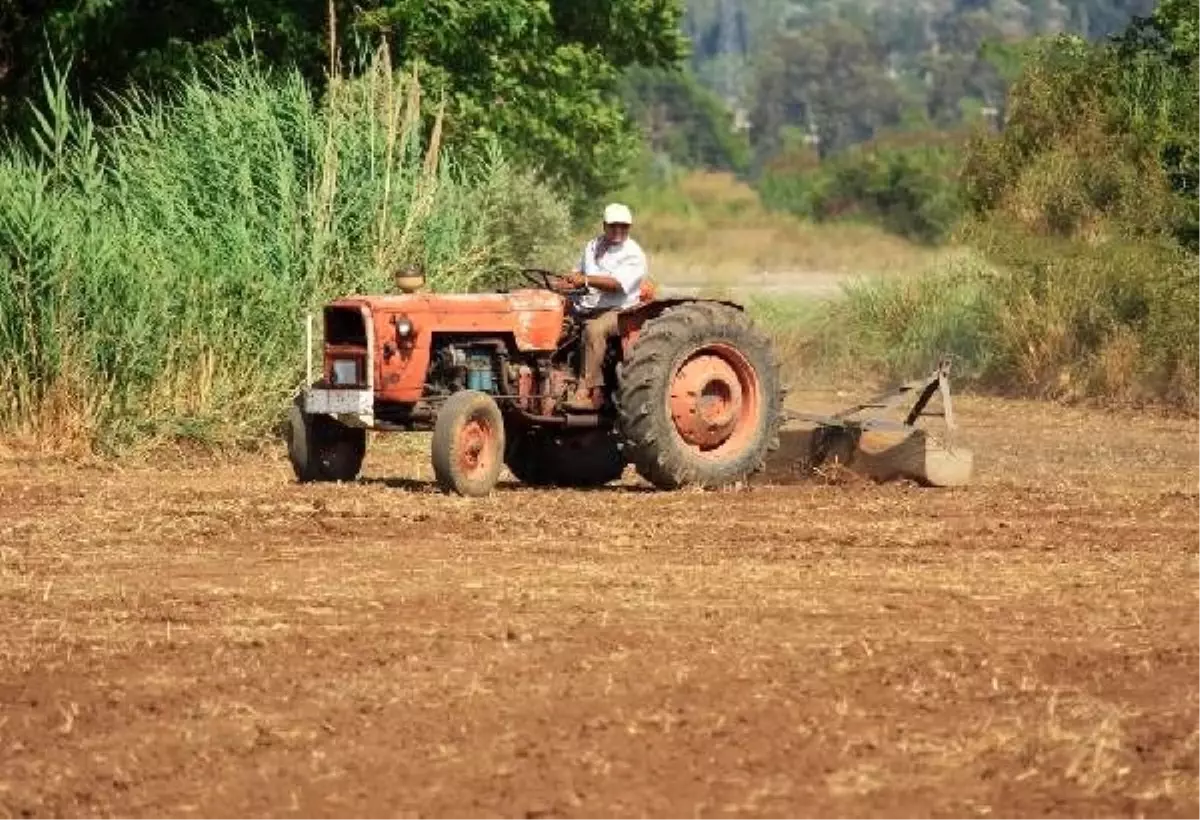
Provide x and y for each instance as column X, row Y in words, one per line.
column 1032, row 316
column 906, row 183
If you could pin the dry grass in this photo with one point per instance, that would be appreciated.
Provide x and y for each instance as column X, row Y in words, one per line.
column 710, row 228
column 197, row 637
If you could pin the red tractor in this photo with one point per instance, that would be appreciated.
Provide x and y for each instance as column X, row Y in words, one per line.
column 692, row 390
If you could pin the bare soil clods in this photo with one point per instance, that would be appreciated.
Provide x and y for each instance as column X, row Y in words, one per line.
column 200, row 638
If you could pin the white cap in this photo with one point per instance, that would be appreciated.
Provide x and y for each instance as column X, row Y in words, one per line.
column 618, row 213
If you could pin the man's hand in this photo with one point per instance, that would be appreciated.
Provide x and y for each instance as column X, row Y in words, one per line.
column 569, row 281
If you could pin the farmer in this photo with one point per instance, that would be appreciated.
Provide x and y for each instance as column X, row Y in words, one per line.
column 612, row 271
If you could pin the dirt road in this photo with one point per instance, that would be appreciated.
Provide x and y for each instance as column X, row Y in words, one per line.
column 209, row 638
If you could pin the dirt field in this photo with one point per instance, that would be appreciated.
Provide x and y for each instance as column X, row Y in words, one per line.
column 209, row 638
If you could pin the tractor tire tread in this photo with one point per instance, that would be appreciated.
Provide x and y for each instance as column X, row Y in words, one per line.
column 458, row 408
column 651, row 442
column 322, row 449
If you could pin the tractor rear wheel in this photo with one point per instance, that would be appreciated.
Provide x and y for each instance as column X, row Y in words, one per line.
column 530, row 459
column 468, row 443
column 699, row 397
column 589, row 458
column 584, row 458
column 322, row 448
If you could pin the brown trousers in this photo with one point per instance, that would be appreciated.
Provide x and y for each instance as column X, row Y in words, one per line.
column 596, row 333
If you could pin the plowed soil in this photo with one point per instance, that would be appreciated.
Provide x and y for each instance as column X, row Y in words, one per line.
column 200, row 637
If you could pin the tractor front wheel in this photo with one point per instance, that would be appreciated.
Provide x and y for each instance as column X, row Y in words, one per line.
column 700, row 397
column 322, row 448
column 468, row 444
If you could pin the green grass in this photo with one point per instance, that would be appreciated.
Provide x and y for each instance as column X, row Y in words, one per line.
column 154, row 275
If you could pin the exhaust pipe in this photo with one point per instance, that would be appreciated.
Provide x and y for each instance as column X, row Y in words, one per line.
column 308, row 357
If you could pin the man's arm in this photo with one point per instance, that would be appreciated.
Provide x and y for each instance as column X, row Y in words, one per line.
column 603, row 282
column 625, row 279
column 599, row 281
column 569, row 281
column 630, row 272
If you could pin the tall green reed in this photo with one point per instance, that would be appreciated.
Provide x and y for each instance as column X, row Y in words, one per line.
column 154, row 274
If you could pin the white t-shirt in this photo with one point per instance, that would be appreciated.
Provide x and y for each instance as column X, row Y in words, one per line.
column 625, row 262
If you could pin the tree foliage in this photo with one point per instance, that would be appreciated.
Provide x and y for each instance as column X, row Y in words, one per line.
column 831, row 80
column 840, row 68
column 1085, row 139
column 907, row 182
column 684, row 121
column 540, row 76
column 1101, row 137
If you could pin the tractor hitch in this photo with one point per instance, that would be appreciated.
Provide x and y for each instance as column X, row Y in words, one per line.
column 862, row 439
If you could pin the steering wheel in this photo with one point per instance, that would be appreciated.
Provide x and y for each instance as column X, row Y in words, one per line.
column 542, row 278
column 538, row 276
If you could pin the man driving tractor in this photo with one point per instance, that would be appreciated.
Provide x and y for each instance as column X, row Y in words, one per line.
column 611, row 274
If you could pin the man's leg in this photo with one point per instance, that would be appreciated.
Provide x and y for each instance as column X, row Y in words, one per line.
column 596, row 333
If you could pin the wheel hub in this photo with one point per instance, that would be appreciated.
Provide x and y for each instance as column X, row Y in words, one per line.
column 706, row 401
column 473, row 442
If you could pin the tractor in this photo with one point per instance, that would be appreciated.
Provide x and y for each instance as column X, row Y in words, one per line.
column 692, row 394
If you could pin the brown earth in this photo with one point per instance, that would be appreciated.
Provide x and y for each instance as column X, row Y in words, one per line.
column 209, row 638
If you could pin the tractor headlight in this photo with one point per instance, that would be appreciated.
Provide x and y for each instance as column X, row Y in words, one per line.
column 404, row 327
column 345, row 371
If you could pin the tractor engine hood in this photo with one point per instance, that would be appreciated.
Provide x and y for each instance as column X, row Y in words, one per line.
column 385, row 342
column 531, row 318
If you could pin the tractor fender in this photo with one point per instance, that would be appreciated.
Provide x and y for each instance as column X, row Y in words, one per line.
column 631, row 319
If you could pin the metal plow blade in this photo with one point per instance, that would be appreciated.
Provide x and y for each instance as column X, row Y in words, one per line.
column 863, row 441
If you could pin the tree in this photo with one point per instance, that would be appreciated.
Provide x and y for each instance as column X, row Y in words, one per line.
column 541, row 76
column 1097, row 19
column 831, row 79
column 959, row 71
column 684, row 120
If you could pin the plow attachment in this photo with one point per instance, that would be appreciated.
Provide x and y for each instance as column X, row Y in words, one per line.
column 863, row 440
